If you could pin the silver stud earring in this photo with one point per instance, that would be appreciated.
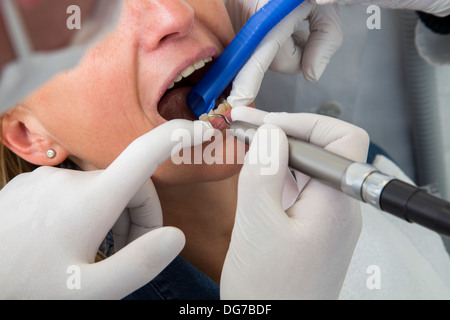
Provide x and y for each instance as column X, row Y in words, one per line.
column 51, row 154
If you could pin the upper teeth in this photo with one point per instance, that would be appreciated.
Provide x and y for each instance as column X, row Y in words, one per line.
column 190, row 70
column 221, row 109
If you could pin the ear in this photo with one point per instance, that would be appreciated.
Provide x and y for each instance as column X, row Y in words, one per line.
column 30, row 145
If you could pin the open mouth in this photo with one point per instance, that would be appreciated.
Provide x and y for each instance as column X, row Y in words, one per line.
column 173, row 104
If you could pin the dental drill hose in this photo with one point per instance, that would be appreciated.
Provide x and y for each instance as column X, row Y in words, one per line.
column 362, row 182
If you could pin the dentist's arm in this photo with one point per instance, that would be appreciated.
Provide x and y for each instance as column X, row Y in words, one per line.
column 432, row 34
column 439, row 8
column 304, row 252
column 52, row 222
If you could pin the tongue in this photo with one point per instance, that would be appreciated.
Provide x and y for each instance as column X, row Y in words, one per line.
column 173, row 105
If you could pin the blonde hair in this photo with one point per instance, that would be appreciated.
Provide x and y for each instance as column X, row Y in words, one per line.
column 11, row 165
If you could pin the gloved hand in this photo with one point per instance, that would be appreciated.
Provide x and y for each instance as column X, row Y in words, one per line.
column 439, row 8
column 304, row 252
column 286, row 49
column 52, row 222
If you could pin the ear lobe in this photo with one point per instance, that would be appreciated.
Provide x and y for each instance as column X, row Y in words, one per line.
column 30, row 146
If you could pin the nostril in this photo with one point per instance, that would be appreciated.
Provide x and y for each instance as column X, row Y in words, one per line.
column 169, row 36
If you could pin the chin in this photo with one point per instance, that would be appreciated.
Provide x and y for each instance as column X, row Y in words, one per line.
column 212, row 170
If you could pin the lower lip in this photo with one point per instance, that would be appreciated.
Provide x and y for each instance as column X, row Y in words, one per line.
column 219, row 123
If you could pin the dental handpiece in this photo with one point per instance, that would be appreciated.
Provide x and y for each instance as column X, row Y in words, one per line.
column 361, row 181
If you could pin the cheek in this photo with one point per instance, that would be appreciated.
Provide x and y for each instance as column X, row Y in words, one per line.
column 104, row 139
column 91, row 139
column 214, row 16
column 91, row 123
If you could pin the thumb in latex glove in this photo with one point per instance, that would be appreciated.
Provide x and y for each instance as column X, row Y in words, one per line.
column 304, row 252
column 52, row 222
column 287, row 48
column 437, row 7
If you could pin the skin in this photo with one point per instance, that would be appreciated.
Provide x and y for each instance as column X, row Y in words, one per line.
column 92, row 113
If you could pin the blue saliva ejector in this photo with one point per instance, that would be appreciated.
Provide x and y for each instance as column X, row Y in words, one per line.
column 202, row 98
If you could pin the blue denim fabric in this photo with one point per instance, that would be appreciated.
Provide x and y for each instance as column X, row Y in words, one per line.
column 179, row 281
column 375, row 150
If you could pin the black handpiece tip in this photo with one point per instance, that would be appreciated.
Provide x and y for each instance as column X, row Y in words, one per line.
column 416, row 206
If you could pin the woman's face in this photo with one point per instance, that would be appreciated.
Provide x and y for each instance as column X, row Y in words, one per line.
column 119, row 90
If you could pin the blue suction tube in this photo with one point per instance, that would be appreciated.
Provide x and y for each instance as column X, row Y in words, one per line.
column 202, row 98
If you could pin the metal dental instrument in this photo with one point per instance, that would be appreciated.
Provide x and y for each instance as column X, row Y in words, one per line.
column 219, row 116
column 202, row 98
column 361, row 181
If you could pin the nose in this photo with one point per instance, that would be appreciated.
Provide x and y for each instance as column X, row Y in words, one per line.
column 162, row 20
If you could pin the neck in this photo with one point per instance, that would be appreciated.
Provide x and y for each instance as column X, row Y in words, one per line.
column 205, row 213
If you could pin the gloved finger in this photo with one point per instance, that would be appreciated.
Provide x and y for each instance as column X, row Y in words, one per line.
column 334, row 208
column 132, row 267
column 289, row 57
column 247, row 114
column 331, row 221
column 331, row 134
column 248, row 81
column 145, row 212
column 324, row 40
column 257, row 117
column 263, row 177
column 292, row 41
column 120, row 182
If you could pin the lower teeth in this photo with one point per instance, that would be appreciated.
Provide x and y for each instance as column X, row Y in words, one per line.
column 222, row 108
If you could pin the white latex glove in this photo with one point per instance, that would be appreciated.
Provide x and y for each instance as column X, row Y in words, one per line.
column 287, row 48
column 439, row 8
column 52, row 222
column 303, row 253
